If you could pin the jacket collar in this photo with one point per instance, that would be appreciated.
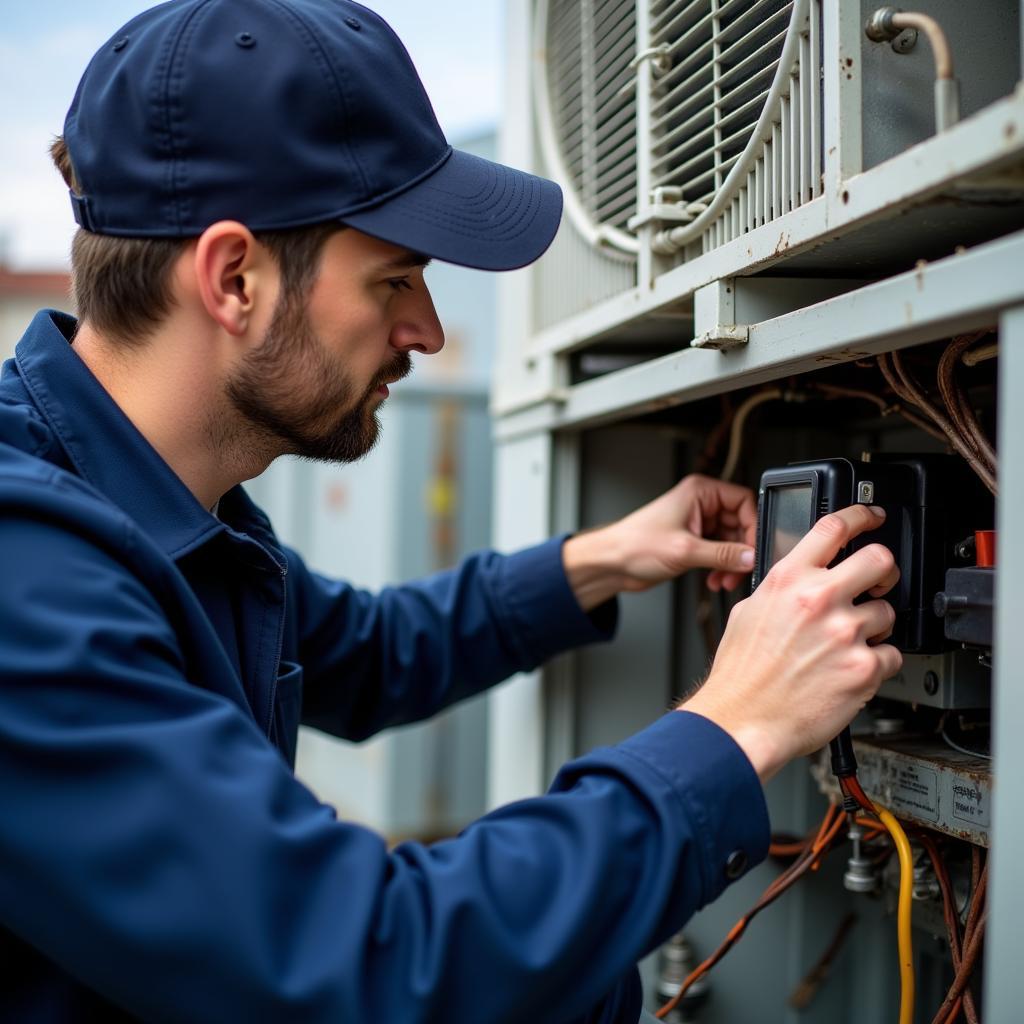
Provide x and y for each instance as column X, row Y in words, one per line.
column 108, row 451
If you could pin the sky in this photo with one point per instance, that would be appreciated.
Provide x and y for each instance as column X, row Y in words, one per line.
column 46, row 44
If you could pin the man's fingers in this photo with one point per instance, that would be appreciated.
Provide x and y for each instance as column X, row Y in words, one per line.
column 888, row 583
column 871, row 570
column 832, row 533
column 889, row 659
column 876, row 620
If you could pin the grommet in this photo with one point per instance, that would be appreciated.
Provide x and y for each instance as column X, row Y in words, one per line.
column 353, row 24
column 120, row 44
column 735, row 864
column 245, row 40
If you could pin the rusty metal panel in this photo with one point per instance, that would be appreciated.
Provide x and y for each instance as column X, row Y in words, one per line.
column 923, row 782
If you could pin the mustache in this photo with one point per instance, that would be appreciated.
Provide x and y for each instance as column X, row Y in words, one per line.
column 398, row 369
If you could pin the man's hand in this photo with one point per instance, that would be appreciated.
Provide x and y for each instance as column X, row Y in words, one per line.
column 700, row 523
column 799, row 659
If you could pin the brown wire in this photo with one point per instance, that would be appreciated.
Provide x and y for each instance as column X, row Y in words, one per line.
column 808, row 987
column 906, row 387
column 958, row 992
column 972, row 948
column 886, row 408
column 951, row 424
column 830, row 827
column 955, row 398
column 952, row 920
column 975, row 869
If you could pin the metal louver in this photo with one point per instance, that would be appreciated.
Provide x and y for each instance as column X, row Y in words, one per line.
column 723, row 59
column 729, row 129
column 587, row 112
column 759, row 114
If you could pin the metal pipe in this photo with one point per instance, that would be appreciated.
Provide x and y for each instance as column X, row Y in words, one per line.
column 936, row 37
column 887, row 23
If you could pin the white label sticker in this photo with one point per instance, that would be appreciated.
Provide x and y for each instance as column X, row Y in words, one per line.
column 915, row 791
column 970, row 804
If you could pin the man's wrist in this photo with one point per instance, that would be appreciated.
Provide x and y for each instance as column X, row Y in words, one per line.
column 755, row 741
column 592, row 565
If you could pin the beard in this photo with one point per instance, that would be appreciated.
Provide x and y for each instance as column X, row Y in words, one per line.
column 299, row 401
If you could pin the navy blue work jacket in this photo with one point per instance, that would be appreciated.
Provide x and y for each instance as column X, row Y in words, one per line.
column 159, row 860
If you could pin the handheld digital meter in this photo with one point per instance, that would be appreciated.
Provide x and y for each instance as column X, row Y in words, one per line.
column 923, row 521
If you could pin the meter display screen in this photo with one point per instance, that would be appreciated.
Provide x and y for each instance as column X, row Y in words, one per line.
column 789, row 519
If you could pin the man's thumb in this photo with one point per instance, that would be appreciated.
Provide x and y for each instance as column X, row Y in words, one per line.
column 721, row 554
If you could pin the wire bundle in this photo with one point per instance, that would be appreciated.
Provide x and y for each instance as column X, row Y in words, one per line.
column 956, row 420
column 965, row 949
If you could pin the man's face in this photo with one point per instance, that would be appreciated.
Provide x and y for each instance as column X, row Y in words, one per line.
column 314, row 383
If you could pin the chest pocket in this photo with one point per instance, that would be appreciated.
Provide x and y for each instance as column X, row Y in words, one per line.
column 288, row 709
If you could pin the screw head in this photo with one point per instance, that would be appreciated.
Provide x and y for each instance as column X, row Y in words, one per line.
column 931, row 683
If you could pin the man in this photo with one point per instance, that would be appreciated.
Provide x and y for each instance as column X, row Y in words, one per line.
column 259, row 185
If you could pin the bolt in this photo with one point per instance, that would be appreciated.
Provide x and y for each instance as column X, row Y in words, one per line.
column 931, row 683
column 860, row 874
column 905, row 41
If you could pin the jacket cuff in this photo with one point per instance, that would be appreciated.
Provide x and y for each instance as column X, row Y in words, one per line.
column 717, row 786
column 541, row 607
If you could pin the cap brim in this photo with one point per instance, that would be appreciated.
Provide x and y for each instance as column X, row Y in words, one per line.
column 472, row 212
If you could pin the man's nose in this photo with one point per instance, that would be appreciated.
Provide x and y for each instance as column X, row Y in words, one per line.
column 418, row 328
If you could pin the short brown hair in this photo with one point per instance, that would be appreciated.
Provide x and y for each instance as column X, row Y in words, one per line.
column 122, row 286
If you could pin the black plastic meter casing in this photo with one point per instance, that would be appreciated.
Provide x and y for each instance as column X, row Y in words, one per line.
column 920, row 526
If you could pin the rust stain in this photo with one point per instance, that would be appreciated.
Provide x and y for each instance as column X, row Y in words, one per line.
column 842, row 356
column 1009, row 131
column 781, row 245
column 919, row 274
column 908, row 309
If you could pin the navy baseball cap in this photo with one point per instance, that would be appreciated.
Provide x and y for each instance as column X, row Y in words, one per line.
column 279, row 114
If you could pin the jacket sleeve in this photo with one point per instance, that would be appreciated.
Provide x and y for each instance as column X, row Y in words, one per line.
column 373, row 661
column 157, row 848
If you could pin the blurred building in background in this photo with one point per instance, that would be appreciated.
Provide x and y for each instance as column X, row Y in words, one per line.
column 416, row 504
column 22, row 293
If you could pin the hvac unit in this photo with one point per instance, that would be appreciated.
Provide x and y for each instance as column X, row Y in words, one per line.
column 788, row 227
column 697, row 141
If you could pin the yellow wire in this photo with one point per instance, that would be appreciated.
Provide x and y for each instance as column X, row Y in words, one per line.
column 906, row 952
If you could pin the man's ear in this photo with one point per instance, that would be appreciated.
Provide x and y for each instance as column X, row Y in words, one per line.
column 234, row 275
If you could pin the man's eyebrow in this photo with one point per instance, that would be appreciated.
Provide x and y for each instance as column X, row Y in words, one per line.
column 406, row 260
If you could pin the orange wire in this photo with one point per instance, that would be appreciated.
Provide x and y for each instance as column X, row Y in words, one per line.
column 831, row 824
